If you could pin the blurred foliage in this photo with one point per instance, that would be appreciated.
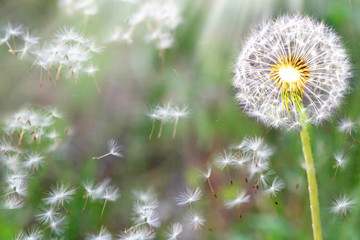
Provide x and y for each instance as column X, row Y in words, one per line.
column 198, row 73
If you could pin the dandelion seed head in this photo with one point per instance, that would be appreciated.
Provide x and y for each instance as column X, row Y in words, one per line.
column 289, row 63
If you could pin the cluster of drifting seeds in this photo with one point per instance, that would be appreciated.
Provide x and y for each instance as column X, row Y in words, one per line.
column 68, row 53
column 165, row 114
column 29, row 134
column 161, row 19
column 252, row 156
column 51, row 219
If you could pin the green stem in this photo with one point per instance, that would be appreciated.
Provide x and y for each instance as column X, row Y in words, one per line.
column 311, row 177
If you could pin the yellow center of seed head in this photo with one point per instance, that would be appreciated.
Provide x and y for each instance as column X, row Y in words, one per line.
column 290, row 73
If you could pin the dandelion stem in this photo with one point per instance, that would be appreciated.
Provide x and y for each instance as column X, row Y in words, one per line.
column 228, row 171
column 136, row 226
column 336, row 169
column 353, row 138
column 105, row 155
column 102, row 212
column 67, row 211
column 97, row 85
column 160, row 130
column 212, row 189
column 58, row 74
column 175, row 126
column 152, row 129
column 87, row 197
column 42, row 231
column 21, row 138
column 311, row 177
column 40, row 77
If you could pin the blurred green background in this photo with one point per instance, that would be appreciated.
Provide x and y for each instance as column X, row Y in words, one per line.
column 198, row 72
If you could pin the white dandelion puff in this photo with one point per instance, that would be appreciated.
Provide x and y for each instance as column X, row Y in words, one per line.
column 240, row 199
column 340, row 161
column 13, row 202
column 188, row 196
column 276, row 186
column 347, row 126
column 33, row 161
column 59, row 195
column 289, row 62
column 103, row 234
column 342, row 205
column 113, row 149
column 194, row 220
column 48, row 215
column 111, row 194
column 173, row 231
column 225, row 160
column 206, row 176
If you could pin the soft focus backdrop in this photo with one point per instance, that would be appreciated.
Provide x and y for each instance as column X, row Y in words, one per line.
column 195, row 72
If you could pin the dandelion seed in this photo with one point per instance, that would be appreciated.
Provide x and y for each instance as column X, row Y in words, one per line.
column 288, row 62
column 33, row 161
column 347, row 126
column 140, row 233
column 32, row 234
column 103, row 234
column 173, row 231
column 263, row 179
column 164, row 116
column 276, row 186
column 110, row 194
column 240, row 199
column 342, row 205
column 206, row 177
column 176, row 114
column 48, row 215
column 240, row 161
column 90, row 191
column 341, row 160
column 224, row 161
column 91, row 70
column 195, row 220
column 258, row 148
column 188, row 196
column 56, row 225
column 113, row 149
column 13, row 202
column 147, row 196
column 17, row 184
column 59, row 195
column 154, row 116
